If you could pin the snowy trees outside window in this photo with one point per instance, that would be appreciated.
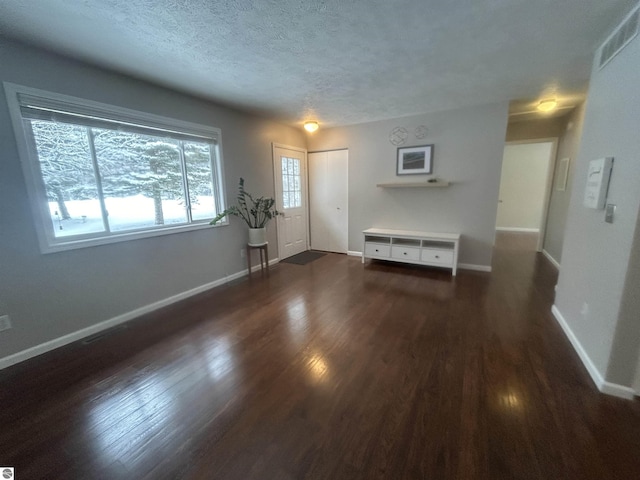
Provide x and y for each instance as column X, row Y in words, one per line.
column 112, row 173
column 137, row 181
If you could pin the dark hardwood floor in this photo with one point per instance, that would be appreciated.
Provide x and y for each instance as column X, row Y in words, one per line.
column 331, row 370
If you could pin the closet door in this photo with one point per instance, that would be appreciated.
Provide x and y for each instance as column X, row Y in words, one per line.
column 338, row 200
column 328, row 200
column 317, row 194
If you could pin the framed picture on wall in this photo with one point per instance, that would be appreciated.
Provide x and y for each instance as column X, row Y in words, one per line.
column 415, row 160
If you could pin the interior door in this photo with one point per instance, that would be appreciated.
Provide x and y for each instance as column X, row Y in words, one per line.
column 328, row 200
column 290, row 171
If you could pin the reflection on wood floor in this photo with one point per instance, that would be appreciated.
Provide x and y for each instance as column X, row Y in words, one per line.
column 524, row 241
column 331, row 370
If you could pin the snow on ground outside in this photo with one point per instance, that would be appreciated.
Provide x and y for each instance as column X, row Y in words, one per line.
column 126, row 213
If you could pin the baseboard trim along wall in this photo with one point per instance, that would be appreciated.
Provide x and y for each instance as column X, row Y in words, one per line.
column 518, row 229
column 604, row 386
column 553, row 261
column 120, row 319
column 477, row 268
column 461, row 266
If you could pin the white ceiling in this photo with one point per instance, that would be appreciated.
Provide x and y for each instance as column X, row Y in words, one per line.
column 337, row 61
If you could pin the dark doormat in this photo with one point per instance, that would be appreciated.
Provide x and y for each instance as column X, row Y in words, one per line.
column 304, row 257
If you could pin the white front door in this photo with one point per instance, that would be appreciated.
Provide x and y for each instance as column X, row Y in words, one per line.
column 290, row 171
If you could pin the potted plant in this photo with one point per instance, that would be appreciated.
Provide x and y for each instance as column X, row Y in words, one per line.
column 255, row 212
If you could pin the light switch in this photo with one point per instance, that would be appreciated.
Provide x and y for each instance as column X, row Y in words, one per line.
column 610, row 212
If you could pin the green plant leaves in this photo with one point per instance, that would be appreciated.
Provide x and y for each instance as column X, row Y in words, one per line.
column 256, row 212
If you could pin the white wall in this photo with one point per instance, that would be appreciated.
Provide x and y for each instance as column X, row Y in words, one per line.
column 596, row 255
column 568, row 146
column 48, row 296
column 523, row 185
column 626, row 344
column 531, row 129
column 468, row 152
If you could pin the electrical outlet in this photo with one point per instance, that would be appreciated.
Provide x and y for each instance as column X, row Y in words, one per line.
column 610, row 213
column 243, row 253
column 5, row 322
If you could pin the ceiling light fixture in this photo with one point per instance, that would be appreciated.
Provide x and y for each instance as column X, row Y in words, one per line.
column 311, row 126
column 547, row 105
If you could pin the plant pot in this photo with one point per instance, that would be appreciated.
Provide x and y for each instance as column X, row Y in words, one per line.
column 257, row 236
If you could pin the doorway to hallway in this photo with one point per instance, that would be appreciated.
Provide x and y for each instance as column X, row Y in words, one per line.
column 525, row 186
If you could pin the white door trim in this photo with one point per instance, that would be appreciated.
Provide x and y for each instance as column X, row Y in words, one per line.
column 275, row 145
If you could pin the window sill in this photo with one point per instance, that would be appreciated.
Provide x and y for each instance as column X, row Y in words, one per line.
column 74, row 244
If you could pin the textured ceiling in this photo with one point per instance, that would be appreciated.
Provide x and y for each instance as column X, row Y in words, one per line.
column 337, row 61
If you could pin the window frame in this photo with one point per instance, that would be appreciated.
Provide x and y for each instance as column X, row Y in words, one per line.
column 35, row 184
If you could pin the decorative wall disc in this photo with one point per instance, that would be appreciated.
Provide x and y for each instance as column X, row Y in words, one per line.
column 421, row 131
column 398, row 136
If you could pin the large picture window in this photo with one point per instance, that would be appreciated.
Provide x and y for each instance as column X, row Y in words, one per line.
column 99, row 174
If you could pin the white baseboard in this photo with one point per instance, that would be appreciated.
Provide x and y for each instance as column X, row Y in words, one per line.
column 352, row 253
column 604, row 386
column 254, row 268
column 120, row 319
column 618, row 390
column 553, row 261
column 477, row 268
column 461, row 266
column 517, row 229
column 596, row 376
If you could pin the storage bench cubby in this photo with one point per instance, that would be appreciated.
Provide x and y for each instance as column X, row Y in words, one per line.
column 420, row 248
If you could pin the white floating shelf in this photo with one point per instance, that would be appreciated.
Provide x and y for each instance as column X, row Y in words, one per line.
column 438, row 184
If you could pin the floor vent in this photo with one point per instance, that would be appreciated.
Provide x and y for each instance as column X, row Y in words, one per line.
column 620, row 38
column 94, row 338
column 103, row 334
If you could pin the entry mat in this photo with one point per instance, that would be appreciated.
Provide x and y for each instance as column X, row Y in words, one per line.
column 304, row 257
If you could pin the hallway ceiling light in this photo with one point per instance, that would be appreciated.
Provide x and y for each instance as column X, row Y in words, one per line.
column 311, row 126
column 547, row 105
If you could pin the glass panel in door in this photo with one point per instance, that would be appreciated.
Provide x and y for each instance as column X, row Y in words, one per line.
column 291, row 184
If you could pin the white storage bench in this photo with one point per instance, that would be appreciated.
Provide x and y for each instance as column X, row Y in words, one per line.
column 420, row 248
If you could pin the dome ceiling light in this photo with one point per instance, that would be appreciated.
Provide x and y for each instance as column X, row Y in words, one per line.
column 311, row 126
column 547, row 105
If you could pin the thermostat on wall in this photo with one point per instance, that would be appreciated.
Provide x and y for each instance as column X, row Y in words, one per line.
column 598, row 176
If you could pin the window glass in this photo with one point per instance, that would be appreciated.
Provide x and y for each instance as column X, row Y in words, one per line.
column 100, row 174
column 291, row 188
column 69, row 178
column 142, row 180
column 198, row 159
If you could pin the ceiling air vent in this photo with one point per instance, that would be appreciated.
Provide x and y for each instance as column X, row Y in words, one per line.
column 619, row 39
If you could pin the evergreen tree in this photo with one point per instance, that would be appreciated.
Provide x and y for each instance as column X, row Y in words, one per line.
column 129, row 164
column 65, row 162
